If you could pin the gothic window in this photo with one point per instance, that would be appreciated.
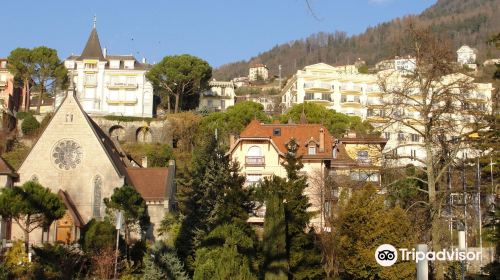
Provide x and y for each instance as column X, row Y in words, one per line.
column 67, row 154
column 97, row 196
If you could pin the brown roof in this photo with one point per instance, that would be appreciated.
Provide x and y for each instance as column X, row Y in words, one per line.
column 302, row 133
column 5, row 168
column 92, row 49
column 70, row 205
column 151, row 183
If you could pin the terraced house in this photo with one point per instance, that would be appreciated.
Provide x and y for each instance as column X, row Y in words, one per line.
column 260, row 151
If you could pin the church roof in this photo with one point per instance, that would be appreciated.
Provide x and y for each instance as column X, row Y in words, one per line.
column 151, row 183
column 5, row 168
column 92, row 49
column 70, row 205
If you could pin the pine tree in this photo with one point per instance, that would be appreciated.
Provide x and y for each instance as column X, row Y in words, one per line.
column 275, row 264
column 163, row 263
column 212, row 194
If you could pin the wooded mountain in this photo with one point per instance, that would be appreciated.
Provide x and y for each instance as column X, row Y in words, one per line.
column 469, row 22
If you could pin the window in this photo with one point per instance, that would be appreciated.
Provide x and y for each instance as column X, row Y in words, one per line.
column 277, row 131
column 415, row 137
column 69, row 118
column 363, row 157
column 311, row 148
column 210, row 103
column 34, row 179
column 254, row 156
column 252, row 179
column 401, row 136
column 96, row 211
column 90, row 65
column 223, row 91
column 325, row 96
column 309, row 96
column 387, row 135
column 413, row 154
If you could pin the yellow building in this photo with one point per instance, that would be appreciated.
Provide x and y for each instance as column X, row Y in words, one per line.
column 260, row 150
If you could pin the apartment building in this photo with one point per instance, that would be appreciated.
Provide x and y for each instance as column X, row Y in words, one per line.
column 10, row 97
column 220, row 96
column 258, row 71
column 346, row 91
column 110, row 84
column 260, row 150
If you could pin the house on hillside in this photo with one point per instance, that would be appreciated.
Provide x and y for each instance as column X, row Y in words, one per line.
column 260, row 150
column 220, row 96
column 258, row 72
column 466, row 55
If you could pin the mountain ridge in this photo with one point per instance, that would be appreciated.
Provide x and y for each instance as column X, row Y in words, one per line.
column 469, row 22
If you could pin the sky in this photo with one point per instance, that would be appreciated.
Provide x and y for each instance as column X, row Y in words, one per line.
column 218, row 31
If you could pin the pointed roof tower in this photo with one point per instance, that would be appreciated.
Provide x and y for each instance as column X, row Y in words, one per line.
column 93, row 48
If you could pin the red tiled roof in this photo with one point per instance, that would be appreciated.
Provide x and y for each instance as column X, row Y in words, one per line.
column 151, row 183
column 302, row 133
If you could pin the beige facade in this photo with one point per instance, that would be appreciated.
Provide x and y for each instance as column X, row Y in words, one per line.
column 258, row 71
column 219, row 97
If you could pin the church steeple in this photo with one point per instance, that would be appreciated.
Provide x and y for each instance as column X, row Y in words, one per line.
column 92, row 49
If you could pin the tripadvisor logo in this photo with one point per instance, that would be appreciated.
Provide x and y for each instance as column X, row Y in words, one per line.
column 387, row 255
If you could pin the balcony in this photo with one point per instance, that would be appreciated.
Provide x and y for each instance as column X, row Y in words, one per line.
column 350, row 100
column 373, row 90
column 374, row 103
column 317, row 87
column 311, row 97
column 119, row 85
column 3, row 84
column 364, row 161
column 351, row 89
column 122, row 101
column 90, row 84
column 255, row 161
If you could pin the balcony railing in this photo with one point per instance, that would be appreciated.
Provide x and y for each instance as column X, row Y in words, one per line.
column 364, row 161
column 350, row 99
column 320, row 86
column 351, row 88
column 374, row 102
column 90, row 83
column 255, row 161
column 119, row 85
column 3, row 83
column 122, row 101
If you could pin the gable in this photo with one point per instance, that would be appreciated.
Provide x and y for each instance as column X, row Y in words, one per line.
column 69, row 144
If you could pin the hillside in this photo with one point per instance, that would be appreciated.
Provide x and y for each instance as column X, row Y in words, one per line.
column 463, row 22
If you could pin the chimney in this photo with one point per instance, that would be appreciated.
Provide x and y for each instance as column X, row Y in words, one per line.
column 321, row 140
column 144, row 60
column 105, row 52
column 232, row 140
column 144, row 162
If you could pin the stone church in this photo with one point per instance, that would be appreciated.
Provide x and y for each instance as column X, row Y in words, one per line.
column 83, row 165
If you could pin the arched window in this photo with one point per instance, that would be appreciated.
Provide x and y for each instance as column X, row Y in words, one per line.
column 254, row 151
column 97, row 196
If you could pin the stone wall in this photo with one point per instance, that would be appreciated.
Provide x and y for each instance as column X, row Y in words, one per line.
column 155, row 131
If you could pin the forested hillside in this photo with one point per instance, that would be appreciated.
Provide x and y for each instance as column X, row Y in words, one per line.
column 469, row 22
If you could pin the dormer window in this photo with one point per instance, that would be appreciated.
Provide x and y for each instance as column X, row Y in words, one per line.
column 311, row 149
column 276, row 131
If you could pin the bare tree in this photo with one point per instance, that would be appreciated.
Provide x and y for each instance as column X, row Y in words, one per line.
column 443, row 109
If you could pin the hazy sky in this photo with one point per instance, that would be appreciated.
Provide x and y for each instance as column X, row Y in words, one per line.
column 219, row 31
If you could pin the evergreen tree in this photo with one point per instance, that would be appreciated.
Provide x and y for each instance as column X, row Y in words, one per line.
column 212, row 194
column 163, row 263
column 275, row 264
column 226, row 253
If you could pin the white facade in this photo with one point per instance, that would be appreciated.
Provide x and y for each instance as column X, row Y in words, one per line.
column 466, row 55
column 360, row 95
column 220, row 96
column 398, row 63
column 256, row 71
column 110, row 84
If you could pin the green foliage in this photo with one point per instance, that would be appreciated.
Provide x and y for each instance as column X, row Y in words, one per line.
column 364, row 224
column 48, row 68
column 158, row 155
column 337, row 123
column 16, row 262
column 180, row 76
column 233, row 121
column 226, row 253
column 211, row 194
column 31, row 206
column 162, row 263
column 16, row 155
column 363, row 69
column 21, row 115
column 20, row 64
column 56, row 261
column 98, row 235
column 303, row 252
column 30, row 125
column 133, row 206
column 275, row 265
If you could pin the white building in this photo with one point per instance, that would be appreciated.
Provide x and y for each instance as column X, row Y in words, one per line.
column 359, row 95
column 401, row 64
column 220, row 96
column 466, row 55
column 256, row 71
column 110, row 84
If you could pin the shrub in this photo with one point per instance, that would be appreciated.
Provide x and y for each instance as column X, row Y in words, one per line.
column 30, row 125
column 16, row 155
column 58, row 261
column 97, row 236
column 22, row 115
column 162, row 263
